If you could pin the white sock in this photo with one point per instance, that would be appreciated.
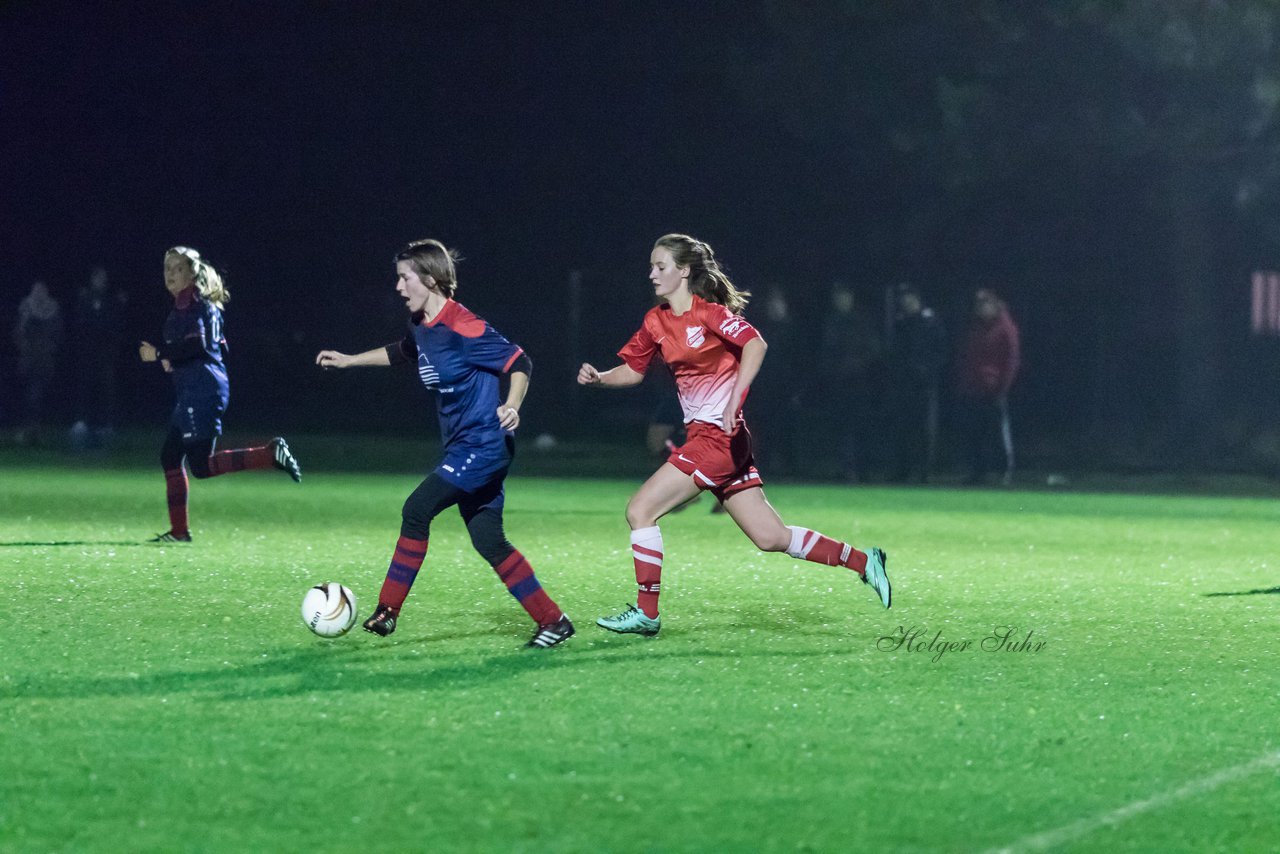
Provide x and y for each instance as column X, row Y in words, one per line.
column 799, row 549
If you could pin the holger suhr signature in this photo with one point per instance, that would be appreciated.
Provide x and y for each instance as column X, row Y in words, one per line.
column 1001, row 639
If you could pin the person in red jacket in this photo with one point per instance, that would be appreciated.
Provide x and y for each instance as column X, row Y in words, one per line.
column 988, row 365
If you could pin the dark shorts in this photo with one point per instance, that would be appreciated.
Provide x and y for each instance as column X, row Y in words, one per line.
column 720, row 464
column 199, row 418
column 471, row 469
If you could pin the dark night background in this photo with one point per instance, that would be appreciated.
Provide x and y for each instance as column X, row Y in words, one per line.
column 1110, row 168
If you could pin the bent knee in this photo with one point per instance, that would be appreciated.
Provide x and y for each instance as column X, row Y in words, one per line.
column 771, row 540
column 639, row 516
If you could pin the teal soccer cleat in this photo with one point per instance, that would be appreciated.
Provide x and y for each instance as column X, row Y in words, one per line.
column 631, row 621
column 876, row 575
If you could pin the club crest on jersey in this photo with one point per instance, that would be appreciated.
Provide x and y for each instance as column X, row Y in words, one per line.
column 695, row 335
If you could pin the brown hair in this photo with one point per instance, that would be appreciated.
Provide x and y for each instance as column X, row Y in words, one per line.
column 432, row 258
column 706, row 279
column 208, row 280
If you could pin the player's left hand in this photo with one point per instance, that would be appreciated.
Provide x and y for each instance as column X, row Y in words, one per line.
column 508, row 417
column 729, row 421
column 146, row 351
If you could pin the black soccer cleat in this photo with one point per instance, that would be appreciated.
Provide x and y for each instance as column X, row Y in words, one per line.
column 171, row 537
column 552, row 633
column 283, row 459
column 383, row 621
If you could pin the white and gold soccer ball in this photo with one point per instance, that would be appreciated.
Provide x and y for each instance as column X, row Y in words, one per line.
column 329, row 609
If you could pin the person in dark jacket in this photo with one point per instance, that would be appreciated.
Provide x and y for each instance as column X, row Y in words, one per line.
column 97, row 325
column 846, row 377
column 38, row 336
column 916, row 354
column 989, row 360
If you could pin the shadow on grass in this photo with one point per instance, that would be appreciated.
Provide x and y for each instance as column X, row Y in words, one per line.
column 1261, row 591
column 331, row 669
column 77, row 543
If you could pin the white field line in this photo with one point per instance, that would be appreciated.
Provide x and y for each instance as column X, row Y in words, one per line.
column 1082, row 827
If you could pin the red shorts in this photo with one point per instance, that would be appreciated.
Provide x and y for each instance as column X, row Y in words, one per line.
column 720, row 464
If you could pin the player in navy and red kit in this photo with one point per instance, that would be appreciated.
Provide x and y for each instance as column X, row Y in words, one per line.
column 714, row 354
column 461, row 359
column 193, row 355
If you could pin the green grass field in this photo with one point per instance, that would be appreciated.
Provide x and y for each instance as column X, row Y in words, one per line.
column 170, row 699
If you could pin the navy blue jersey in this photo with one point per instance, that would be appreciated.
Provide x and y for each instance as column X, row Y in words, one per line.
column 195, row 348
column 460, row 358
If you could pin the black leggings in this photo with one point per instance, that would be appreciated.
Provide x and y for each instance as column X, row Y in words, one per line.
column 196, row 453
column 481, row 511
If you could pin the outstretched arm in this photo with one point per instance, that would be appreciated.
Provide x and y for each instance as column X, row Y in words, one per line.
column 620, row 377
column 376, row 358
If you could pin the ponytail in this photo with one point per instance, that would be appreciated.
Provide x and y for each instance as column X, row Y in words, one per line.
column 208, row 280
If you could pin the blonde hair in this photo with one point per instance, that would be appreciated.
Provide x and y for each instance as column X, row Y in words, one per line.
column 432, row 258
column 706, row 279
column 208, row 280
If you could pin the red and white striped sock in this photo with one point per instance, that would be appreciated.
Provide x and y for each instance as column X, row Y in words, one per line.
column 810, row 545
column 646, row 552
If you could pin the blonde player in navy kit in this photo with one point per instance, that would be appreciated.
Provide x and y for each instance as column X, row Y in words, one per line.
column 461, row 359
column 193, row 355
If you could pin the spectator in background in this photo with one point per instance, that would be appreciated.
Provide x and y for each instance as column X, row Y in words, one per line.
column 916, row 355
column 989, row 361
column 848, row 351
column 38, row 337
column 775, row 390
column 666, row 424
column 97, row 325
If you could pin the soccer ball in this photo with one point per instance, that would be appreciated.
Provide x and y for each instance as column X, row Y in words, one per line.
column 329, row 609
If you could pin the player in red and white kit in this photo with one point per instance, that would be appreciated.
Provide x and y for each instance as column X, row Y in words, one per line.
column 714, row 354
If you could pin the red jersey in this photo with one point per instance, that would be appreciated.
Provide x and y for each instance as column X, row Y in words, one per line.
column 703, row 348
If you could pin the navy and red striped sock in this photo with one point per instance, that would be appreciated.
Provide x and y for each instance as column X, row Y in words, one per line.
column 812, row 546
column 241, row 459
column 405, row 563
column 517, row 574
column 176, row 490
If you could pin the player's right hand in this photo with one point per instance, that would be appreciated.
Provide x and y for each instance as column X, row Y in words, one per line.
column 588, row 375
column 332, row 359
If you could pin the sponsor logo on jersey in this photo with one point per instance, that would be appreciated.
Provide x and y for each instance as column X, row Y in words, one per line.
column 695, row 335
column 733, row 326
